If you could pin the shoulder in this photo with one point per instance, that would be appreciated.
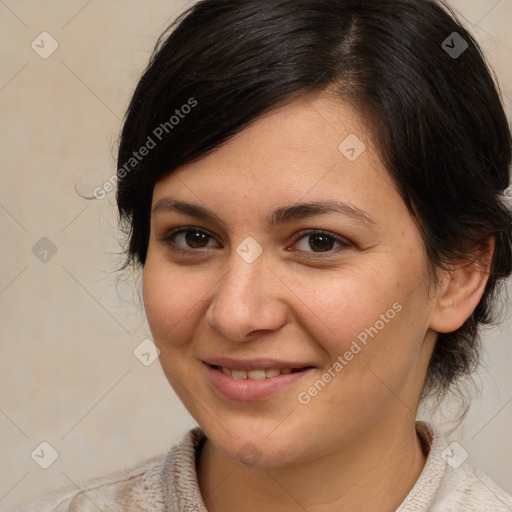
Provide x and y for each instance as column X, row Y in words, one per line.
column 139, row 487
column 449, row 483
column 163, row 482
column 467, row 488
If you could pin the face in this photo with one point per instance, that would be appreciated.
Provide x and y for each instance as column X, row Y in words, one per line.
column 286, row 286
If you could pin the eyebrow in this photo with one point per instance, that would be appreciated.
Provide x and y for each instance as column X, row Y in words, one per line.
column 281, row 215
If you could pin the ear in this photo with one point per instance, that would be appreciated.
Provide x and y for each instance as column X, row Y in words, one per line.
column 461, row 290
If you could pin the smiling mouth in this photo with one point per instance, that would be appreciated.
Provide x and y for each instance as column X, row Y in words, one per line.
column 261, row 374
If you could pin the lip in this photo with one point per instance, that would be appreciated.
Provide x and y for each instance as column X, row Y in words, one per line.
column 246, row 390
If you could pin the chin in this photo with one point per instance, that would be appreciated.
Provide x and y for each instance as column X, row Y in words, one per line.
column 255, row 445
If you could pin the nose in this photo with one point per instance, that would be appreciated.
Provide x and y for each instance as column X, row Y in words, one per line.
column 247, row 300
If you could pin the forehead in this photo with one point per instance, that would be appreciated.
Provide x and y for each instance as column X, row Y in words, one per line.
column 308, row 135
column 314, row 148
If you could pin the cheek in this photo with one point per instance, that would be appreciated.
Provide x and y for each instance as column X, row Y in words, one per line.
column 348, row 306
column 371, row 318
column 171, row 303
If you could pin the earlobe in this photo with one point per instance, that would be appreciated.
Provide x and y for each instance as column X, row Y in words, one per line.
column 461, row 291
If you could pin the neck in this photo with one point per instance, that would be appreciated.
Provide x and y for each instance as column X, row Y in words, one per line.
column 366, row 475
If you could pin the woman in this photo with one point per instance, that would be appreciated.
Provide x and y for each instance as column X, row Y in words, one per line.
column 315, row 193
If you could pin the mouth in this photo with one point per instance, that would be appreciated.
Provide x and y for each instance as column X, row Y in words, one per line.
column 249, row 381
column 256, row 374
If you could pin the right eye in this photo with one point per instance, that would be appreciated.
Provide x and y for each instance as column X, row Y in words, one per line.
column 187, row 239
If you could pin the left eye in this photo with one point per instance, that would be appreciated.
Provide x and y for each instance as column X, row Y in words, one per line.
column 320, row 241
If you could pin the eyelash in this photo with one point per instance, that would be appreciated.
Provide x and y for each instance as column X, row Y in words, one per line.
column 344, row 244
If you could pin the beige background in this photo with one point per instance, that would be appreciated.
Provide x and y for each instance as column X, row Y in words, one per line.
column 68, row 375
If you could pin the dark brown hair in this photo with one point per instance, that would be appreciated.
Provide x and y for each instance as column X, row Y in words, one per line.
column 435, row 110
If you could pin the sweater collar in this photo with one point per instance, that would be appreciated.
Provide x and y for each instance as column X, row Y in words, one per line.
column 423, row 494
column 182, row 493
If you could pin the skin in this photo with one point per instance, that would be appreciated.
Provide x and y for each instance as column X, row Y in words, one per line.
column 354, row 445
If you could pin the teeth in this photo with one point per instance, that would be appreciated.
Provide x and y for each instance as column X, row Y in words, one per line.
column 239, row 374
column 256, row 374
column 267, row 373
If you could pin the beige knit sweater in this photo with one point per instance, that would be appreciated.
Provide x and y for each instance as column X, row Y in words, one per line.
column 168, row 483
